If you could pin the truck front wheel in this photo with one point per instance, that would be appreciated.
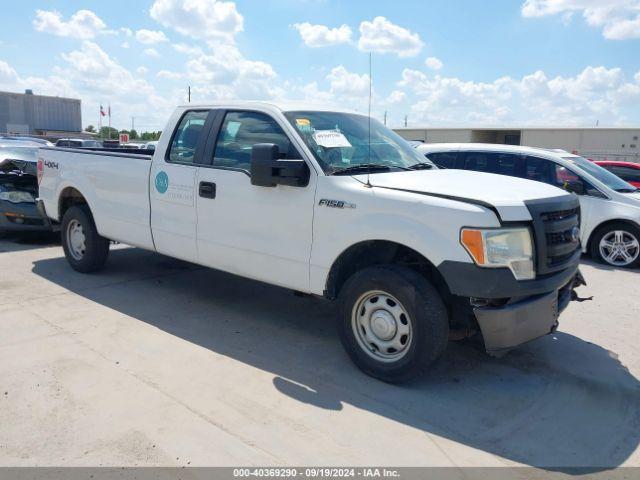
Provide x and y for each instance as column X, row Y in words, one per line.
column 85, row 249
column 393, row 322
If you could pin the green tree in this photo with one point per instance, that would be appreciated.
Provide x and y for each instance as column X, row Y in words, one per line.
column 133, row 135
column 105, row 131
column 90, row 129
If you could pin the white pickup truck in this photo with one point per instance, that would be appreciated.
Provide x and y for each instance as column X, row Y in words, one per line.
column 336, row 205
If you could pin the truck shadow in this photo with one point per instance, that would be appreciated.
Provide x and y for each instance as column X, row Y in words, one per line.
column 556, row 403
column 13, row 242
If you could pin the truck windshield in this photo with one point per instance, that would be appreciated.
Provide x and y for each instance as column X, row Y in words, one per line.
column 605, row 176
column 342, row 142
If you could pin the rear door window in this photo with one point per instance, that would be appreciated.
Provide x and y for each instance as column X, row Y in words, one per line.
column 507, row 164
column 540, row 170
column 186, row 137
column 443, row 159
column 478, row 161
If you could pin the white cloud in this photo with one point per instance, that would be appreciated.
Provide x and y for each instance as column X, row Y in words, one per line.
column 618, row 19
column 187, row 49
column 344, row 82
column 7, row 74
column 169, row 75
column 323, row 36
column 126, row 31
column 125, row 45
column 209, row 19
column 382, row 36
column 150, row 37
column 433, row 63
column 596, row 93
column 83, row 24
column 225, row 73
column 397, row 96
column 142, row 70
column 151, row 52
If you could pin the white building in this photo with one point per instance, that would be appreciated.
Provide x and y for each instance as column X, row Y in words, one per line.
column 593, row 142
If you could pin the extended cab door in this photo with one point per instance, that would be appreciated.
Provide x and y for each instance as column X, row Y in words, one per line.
column 262, row 233
column 173, row 190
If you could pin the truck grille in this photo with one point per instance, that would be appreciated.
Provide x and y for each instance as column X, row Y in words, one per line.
column 554, row 224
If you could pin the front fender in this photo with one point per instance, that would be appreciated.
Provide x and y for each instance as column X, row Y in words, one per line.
column 429, row 225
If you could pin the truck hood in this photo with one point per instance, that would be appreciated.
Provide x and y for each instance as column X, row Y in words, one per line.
column 505, row 194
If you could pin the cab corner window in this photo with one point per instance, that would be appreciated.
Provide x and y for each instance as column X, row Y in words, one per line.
column 186, row 137
column 240, row 132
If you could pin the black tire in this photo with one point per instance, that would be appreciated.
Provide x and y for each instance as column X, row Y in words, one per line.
column 605, row 230
column 96, row 248
column 427, row 318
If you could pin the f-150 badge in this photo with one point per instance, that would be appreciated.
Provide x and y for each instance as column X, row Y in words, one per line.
column 325, row 202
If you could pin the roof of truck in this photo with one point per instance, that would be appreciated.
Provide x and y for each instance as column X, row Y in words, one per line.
column 282, row 106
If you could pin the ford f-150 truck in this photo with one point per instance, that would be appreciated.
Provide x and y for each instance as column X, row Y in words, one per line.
column 336, row 205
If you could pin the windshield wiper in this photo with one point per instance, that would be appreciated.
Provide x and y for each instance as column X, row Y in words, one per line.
column 421, row 166
column 363, row 167
column 627, row 190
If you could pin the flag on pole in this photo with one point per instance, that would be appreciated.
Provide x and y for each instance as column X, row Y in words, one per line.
column 109, row 110
column 102, row 114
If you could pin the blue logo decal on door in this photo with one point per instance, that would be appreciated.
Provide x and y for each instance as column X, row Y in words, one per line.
column 162, row 182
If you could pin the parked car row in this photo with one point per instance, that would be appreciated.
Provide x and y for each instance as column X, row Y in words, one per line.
column 91, row 143
column 610, row 206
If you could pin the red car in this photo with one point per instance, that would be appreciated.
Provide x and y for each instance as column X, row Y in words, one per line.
column 628, row 171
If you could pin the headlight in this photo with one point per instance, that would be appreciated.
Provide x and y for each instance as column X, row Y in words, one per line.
column 502, row 247
column 16, row 196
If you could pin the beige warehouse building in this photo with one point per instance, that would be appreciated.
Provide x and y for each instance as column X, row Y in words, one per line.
column 595, row 142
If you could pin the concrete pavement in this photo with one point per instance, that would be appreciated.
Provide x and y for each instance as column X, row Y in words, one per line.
column 158, row 362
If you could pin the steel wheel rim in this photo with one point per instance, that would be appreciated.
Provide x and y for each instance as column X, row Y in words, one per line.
column 76, row 239
column 382, row 326
column 619, row 248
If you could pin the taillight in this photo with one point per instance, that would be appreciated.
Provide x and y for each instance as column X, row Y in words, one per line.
column 40, row 170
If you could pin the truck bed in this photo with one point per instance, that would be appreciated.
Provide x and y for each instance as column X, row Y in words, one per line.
column 115, row 184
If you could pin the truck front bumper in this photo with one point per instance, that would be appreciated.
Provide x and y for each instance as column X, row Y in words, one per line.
column 513, row 324
column 510, row 312
column 22, row 217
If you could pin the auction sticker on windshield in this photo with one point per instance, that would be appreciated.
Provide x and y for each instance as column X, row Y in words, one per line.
column 331, row 139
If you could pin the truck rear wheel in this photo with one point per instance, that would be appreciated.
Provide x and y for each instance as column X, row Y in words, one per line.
column 393, row 322
column 85, row 249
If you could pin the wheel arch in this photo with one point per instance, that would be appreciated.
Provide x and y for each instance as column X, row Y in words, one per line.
column 605, row 224
column 70, row 196
column 368, row 253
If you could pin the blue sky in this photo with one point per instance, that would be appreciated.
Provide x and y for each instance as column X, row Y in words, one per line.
column 440, row 63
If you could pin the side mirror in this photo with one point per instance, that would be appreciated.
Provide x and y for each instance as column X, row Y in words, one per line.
column 267, row 170
column 576, row 187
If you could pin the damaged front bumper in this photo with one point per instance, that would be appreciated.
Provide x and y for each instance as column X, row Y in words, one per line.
column 509, row 312
column 514, row 323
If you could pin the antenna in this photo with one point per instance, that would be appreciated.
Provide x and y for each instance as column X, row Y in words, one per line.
column 369, row 146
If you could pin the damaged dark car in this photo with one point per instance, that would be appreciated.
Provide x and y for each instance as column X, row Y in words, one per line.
column 19, row 190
